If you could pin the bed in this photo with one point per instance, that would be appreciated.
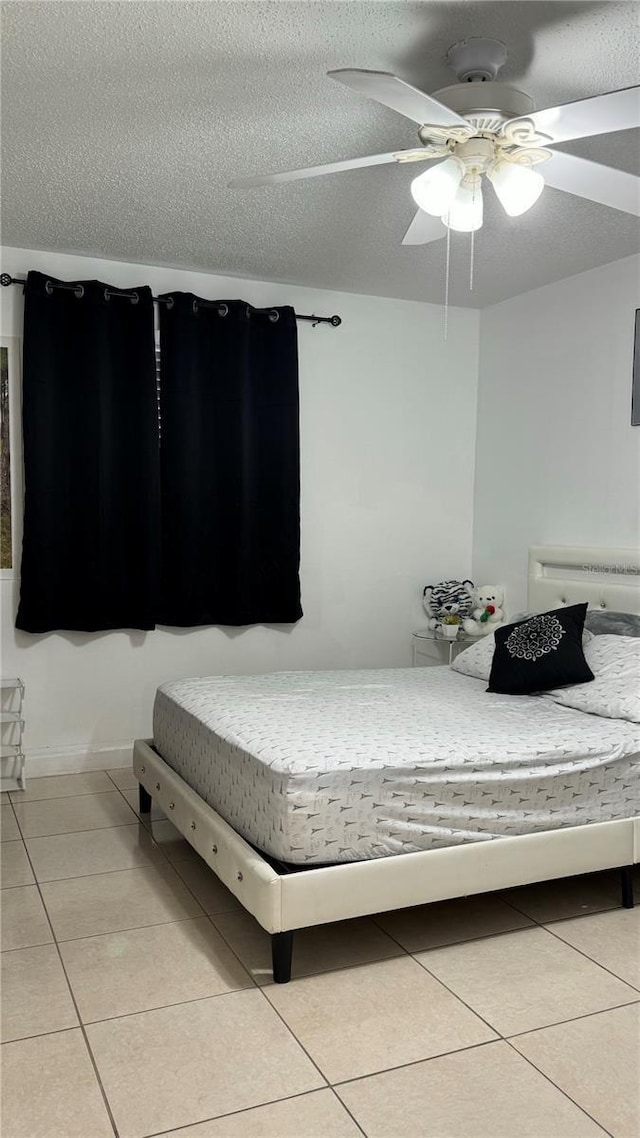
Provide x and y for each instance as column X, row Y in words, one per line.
column 317, row 797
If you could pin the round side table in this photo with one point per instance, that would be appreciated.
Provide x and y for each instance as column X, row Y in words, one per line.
column 430, row 647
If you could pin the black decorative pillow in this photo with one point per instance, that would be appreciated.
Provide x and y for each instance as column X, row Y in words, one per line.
column 542, row 652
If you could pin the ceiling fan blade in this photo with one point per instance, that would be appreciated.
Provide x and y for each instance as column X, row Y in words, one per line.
column 424, row 228
column 400, row 96
column 602, row 114
column 604, row 184
column 314, row 171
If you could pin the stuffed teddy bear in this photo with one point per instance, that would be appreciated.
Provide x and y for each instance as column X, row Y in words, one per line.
column 487, row 613
column 447, row 598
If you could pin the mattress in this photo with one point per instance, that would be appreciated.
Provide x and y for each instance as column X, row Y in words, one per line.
column 325, row 767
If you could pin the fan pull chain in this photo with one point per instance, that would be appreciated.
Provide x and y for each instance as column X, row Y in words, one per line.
column 473, row 244
column 446, row 281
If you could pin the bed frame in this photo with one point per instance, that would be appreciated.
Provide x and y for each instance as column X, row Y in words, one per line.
column 283, row 898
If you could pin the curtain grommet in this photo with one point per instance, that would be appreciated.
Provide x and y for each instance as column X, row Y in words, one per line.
column 195, row 307
column 134, row 298
column 107, row 295
column 274, row 316
column 223, row 310
column 48, row 288
column 79, row 291
column 248, row 312
column 169, row 303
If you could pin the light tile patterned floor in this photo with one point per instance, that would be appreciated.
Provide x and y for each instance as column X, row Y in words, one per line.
column 137, row 998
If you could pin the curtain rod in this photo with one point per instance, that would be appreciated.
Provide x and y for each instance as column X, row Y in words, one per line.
column 6, row 279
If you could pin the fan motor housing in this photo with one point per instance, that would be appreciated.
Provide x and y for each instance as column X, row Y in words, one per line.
column 487, row 106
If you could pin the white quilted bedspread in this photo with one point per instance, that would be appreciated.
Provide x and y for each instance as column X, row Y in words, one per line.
column 316, row 767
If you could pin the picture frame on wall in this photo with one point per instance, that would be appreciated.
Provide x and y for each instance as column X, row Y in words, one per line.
column 636, row 378
column 10, row 458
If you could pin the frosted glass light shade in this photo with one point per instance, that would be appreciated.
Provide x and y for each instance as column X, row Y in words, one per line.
column 434, row 190
column 517, row 187
column 465, row 211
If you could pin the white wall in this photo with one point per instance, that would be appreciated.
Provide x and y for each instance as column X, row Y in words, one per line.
column 386, row 506
column 557, row 461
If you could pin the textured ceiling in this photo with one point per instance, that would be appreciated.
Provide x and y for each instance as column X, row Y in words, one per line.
column 122, row 123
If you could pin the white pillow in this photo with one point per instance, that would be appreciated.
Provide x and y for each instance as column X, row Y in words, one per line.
column 615, row 691
column 476, row 660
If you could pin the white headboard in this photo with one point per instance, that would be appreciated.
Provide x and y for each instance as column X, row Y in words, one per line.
column 571, row 574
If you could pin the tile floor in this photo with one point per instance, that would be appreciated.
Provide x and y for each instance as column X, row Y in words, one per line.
column 137, row 998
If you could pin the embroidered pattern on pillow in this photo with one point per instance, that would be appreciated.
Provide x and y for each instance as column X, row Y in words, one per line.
column 535, row 638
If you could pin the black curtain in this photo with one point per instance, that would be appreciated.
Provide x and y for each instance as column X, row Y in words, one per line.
column 229, row 458
column 91, row 536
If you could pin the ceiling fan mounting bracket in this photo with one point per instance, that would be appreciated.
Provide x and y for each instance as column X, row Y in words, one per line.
column 476, row 60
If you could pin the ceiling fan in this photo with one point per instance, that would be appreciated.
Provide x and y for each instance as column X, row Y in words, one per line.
column 478, row 127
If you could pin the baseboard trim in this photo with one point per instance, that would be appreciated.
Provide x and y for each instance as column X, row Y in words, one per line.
column 77, row 759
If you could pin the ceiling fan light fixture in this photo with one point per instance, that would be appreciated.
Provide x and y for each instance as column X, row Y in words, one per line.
column 517, row 187
column 465, row 211
column 435, row 190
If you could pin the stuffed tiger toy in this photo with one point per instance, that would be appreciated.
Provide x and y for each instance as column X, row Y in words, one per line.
column 447, row 597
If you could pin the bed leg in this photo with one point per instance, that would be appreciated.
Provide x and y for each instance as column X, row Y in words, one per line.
column 626, row 883
column 144, row 800
column 281, row 953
